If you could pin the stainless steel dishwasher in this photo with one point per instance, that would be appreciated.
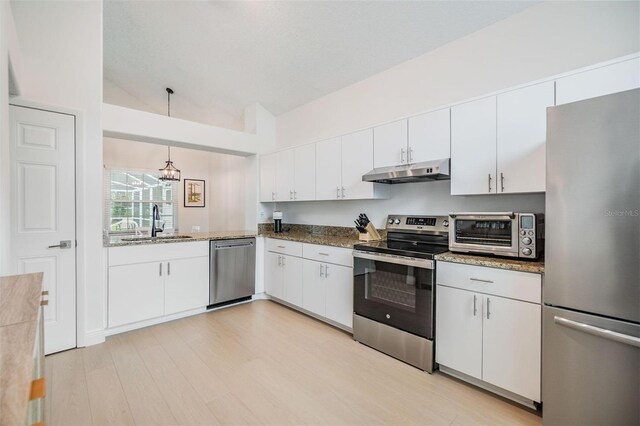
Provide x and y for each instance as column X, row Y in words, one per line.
column 232, row 270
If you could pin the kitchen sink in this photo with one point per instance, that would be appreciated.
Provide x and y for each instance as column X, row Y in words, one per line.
column 168, row 237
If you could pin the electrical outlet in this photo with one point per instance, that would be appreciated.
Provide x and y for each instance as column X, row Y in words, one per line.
column 195, row 228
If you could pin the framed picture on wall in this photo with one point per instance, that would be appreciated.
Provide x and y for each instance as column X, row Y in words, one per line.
column 193, row 193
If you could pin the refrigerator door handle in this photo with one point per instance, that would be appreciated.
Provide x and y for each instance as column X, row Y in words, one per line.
column 597, row 331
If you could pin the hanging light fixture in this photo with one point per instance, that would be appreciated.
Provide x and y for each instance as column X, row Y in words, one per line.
column 169, row 172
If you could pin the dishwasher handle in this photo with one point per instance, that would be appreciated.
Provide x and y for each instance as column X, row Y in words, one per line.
column 233, row 244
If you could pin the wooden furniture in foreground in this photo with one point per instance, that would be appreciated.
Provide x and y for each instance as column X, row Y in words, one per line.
column 22, row 382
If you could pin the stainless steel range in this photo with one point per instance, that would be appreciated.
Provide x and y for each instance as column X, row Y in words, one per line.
column 394, row 285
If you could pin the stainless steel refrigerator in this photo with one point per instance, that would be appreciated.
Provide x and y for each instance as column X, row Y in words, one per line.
column 591, row 318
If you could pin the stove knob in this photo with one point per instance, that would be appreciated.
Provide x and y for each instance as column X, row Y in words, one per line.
column 526, row 251
column 390, row 221
column 523, row 232
column 388, row 316
column 530, row 232
column 526, row 240
column 445, row 223
column 397, row 221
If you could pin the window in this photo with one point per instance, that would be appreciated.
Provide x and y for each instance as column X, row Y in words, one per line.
column 129, row 199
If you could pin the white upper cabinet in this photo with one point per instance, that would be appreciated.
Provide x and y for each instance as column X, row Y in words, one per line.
column 521, row 142
column 357, row 159
column 430, row 136
column 473, row 147
column 599, row 82
column 285, row 175
column 328, row 169
column 390, row 144
column 268, row 164
column 304, row 172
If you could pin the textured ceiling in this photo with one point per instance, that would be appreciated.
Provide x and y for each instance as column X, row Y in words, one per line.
column 222, row 56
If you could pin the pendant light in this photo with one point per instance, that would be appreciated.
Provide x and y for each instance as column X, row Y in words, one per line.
column 169, row 172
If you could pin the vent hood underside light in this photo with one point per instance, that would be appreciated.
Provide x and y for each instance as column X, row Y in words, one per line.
column 418, row 172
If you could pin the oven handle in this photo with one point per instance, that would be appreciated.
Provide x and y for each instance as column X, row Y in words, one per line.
column 510, row 215
column 407, row 261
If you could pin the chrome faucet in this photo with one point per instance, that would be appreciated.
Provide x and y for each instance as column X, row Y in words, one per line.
column 155, row 215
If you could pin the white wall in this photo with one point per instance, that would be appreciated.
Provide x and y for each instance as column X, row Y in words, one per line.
column 61, row 45
column 5, row 188
column 224, row 177
column 544, row 40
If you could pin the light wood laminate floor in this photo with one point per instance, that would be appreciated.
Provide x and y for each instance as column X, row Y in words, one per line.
column 256, row 363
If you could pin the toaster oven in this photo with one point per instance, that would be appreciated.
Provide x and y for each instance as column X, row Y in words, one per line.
column 501, row 234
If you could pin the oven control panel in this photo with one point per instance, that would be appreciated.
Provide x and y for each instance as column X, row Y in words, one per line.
column 397, row 222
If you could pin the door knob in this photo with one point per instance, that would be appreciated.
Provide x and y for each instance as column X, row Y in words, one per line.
column 63, row 244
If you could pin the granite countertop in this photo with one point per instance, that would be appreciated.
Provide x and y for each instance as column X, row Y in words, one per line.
column 536, row 266
column 120, row 240
column 304, row 237
column 20, row 297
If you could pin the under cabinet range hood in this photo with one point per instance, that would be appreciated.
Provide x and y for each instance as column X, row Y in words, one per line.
column 417, row 172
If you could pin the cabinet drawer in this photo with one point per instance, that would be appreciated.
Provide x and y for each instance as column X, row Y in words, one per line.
column 500, row 282
column 337, row 255
column 128, row 255
column 292, row 248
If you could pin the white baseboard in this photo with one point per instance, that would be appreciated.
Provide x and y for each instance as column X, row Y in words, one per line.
column 93, row 338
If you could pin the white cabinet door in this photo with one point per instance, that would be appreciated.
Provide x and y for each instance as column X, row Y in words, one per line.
column 339, row 288
column 328, row 169
column 459, row 330
column 273, row 280
column 268, row 165
column 313, row 287
column 430, row 136
column 292, row 280
column 522, row 134
column 285, row 175
column 599, row 82
column 304, row 172
column 186, row 284
column 390, row 144
column 136, row 292
column 511, row 345
column 357, row 159
column 473, row 147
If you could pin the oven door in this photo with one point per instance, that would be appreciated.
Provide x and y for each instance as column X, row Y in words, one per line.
column 494, row 234
column 394, row 290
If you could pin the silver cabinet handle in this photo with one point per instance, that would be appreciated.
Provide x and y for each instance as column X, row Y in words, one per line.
column 326, row 271
column 290, row 194
column 488, row 305
column 599, row 332
column 343, row 192
column 168, row 268
column 502, row 181
column 279, row 260
column 295, row 195
column 161, row 269
column 337, row 192
column 410, row 155
column 475, row 306
column 283, row 264
column 482, row 281
column 281, row 247
column 273, row 195
column 321, row 274
column 402, row 156
column 489, row 182
column 323, row 254
column 63, row 244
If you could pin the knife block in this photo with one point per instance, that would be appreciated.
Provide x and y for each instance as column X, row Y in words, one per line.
column 371, row 234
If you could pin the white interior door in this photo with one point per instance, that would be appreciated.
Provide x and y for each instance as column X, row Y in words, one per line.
column 43, row 214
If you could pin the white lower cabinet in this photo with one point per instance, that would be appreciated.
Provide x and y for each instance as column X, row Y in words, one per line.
column 136, row 293
column 459, row 330
column 339, row 288
column 147, row 281
column 488, row 337
column 186, row 285
column 319, row 287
